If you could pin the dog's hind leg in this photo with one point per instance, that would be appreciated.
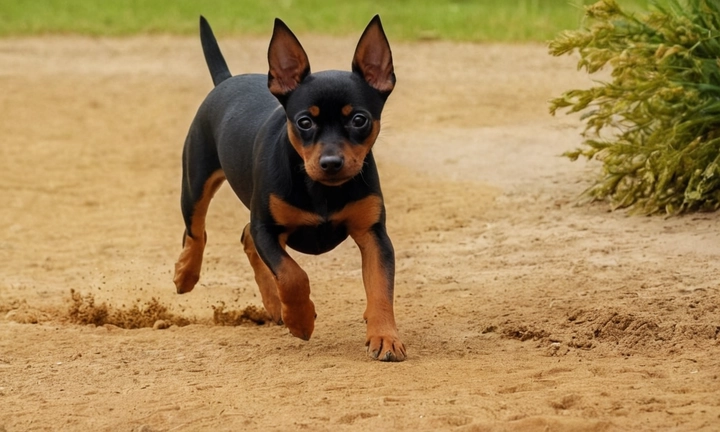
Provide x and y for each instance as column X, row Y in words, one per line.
column 202, row 176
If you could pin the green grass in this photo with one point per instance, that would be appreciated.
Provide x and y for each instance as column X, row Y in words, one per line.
column 469, row 20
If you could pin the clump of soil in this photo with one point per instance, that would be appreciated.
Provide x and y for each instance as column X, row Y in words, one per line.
column 21, row 312
column 6, row 307
column 84, row 310
column 630, row 332
column 250, row 314
column 619, row 330
column 524, row 332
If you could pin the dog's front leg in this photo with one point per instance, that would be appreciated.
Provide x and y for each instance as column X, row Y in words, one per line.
column 378, row 268
column 293, row 285
column 267, row 283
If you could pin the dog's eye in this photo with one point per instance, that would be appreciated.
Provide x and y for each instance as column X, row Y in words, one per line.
column 359, row 121
column 304, row 123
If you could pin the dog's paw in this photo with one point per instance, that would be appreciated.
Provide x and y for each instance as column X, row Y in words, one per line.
column 299, row 319
column 273, row 307
column 187, row 267
column 185, row 278
column 275, row 316
column 387, row 348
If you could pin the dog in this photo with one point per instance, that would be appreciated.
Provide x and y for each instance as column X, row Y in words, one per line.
column 296, row 148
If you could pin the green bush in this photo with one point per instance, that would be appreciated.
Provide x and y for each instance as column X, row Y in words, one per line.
column 655, row 126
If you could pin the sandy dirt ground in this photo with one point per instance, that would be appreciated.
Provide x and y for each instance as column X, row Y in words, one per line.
column 519, row 309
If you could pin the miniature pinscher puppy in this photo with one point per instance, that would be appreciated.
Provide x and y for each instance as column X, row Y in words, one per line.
column 296, row 147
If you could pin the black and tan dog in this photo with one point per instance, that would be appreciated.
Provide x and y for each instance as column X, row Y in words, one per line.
column 296, row 148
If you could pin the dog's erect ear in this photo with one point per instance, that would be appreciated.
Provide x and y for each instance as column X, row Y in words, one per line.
column 288, row 62
column 373, row 59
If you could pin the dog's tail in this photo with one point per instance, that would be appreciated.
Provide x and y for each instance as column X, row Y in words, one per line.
column 213, row 57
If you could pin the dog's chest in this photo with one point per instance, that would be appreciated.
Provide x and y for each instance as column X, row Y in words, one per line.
column 319, row 231
column 318, row 239
column 357, row 215
column 308, row 231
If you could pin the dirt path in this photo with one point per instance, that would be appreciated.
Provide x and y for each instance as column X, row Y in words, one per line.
column 520, row 311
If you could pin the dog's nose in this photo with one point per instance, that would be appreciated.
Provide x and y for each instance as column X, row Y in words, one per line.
column 331, row 163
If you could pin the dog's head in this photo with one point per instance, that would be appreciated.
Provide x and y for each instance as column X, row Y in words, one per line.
column 333, row 117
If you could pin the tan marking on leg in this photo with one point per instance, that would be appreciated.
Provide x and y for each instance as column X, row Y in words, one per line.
column 286, row 296
column 188, row 265
column 263, row 277
column 382, row 340
column 298, row 311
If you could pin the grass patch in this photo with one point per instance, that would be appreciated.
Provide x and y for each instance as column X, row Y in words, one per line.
column 468, row 20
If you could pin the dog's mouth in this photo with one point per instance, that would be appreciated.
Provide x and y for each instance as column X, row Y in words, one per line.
column 332, row 177
column 334, row 183
column 333, row 180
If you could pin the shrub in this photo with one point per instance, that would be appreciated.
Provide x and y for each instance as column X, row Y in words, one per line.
column 655, row 126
